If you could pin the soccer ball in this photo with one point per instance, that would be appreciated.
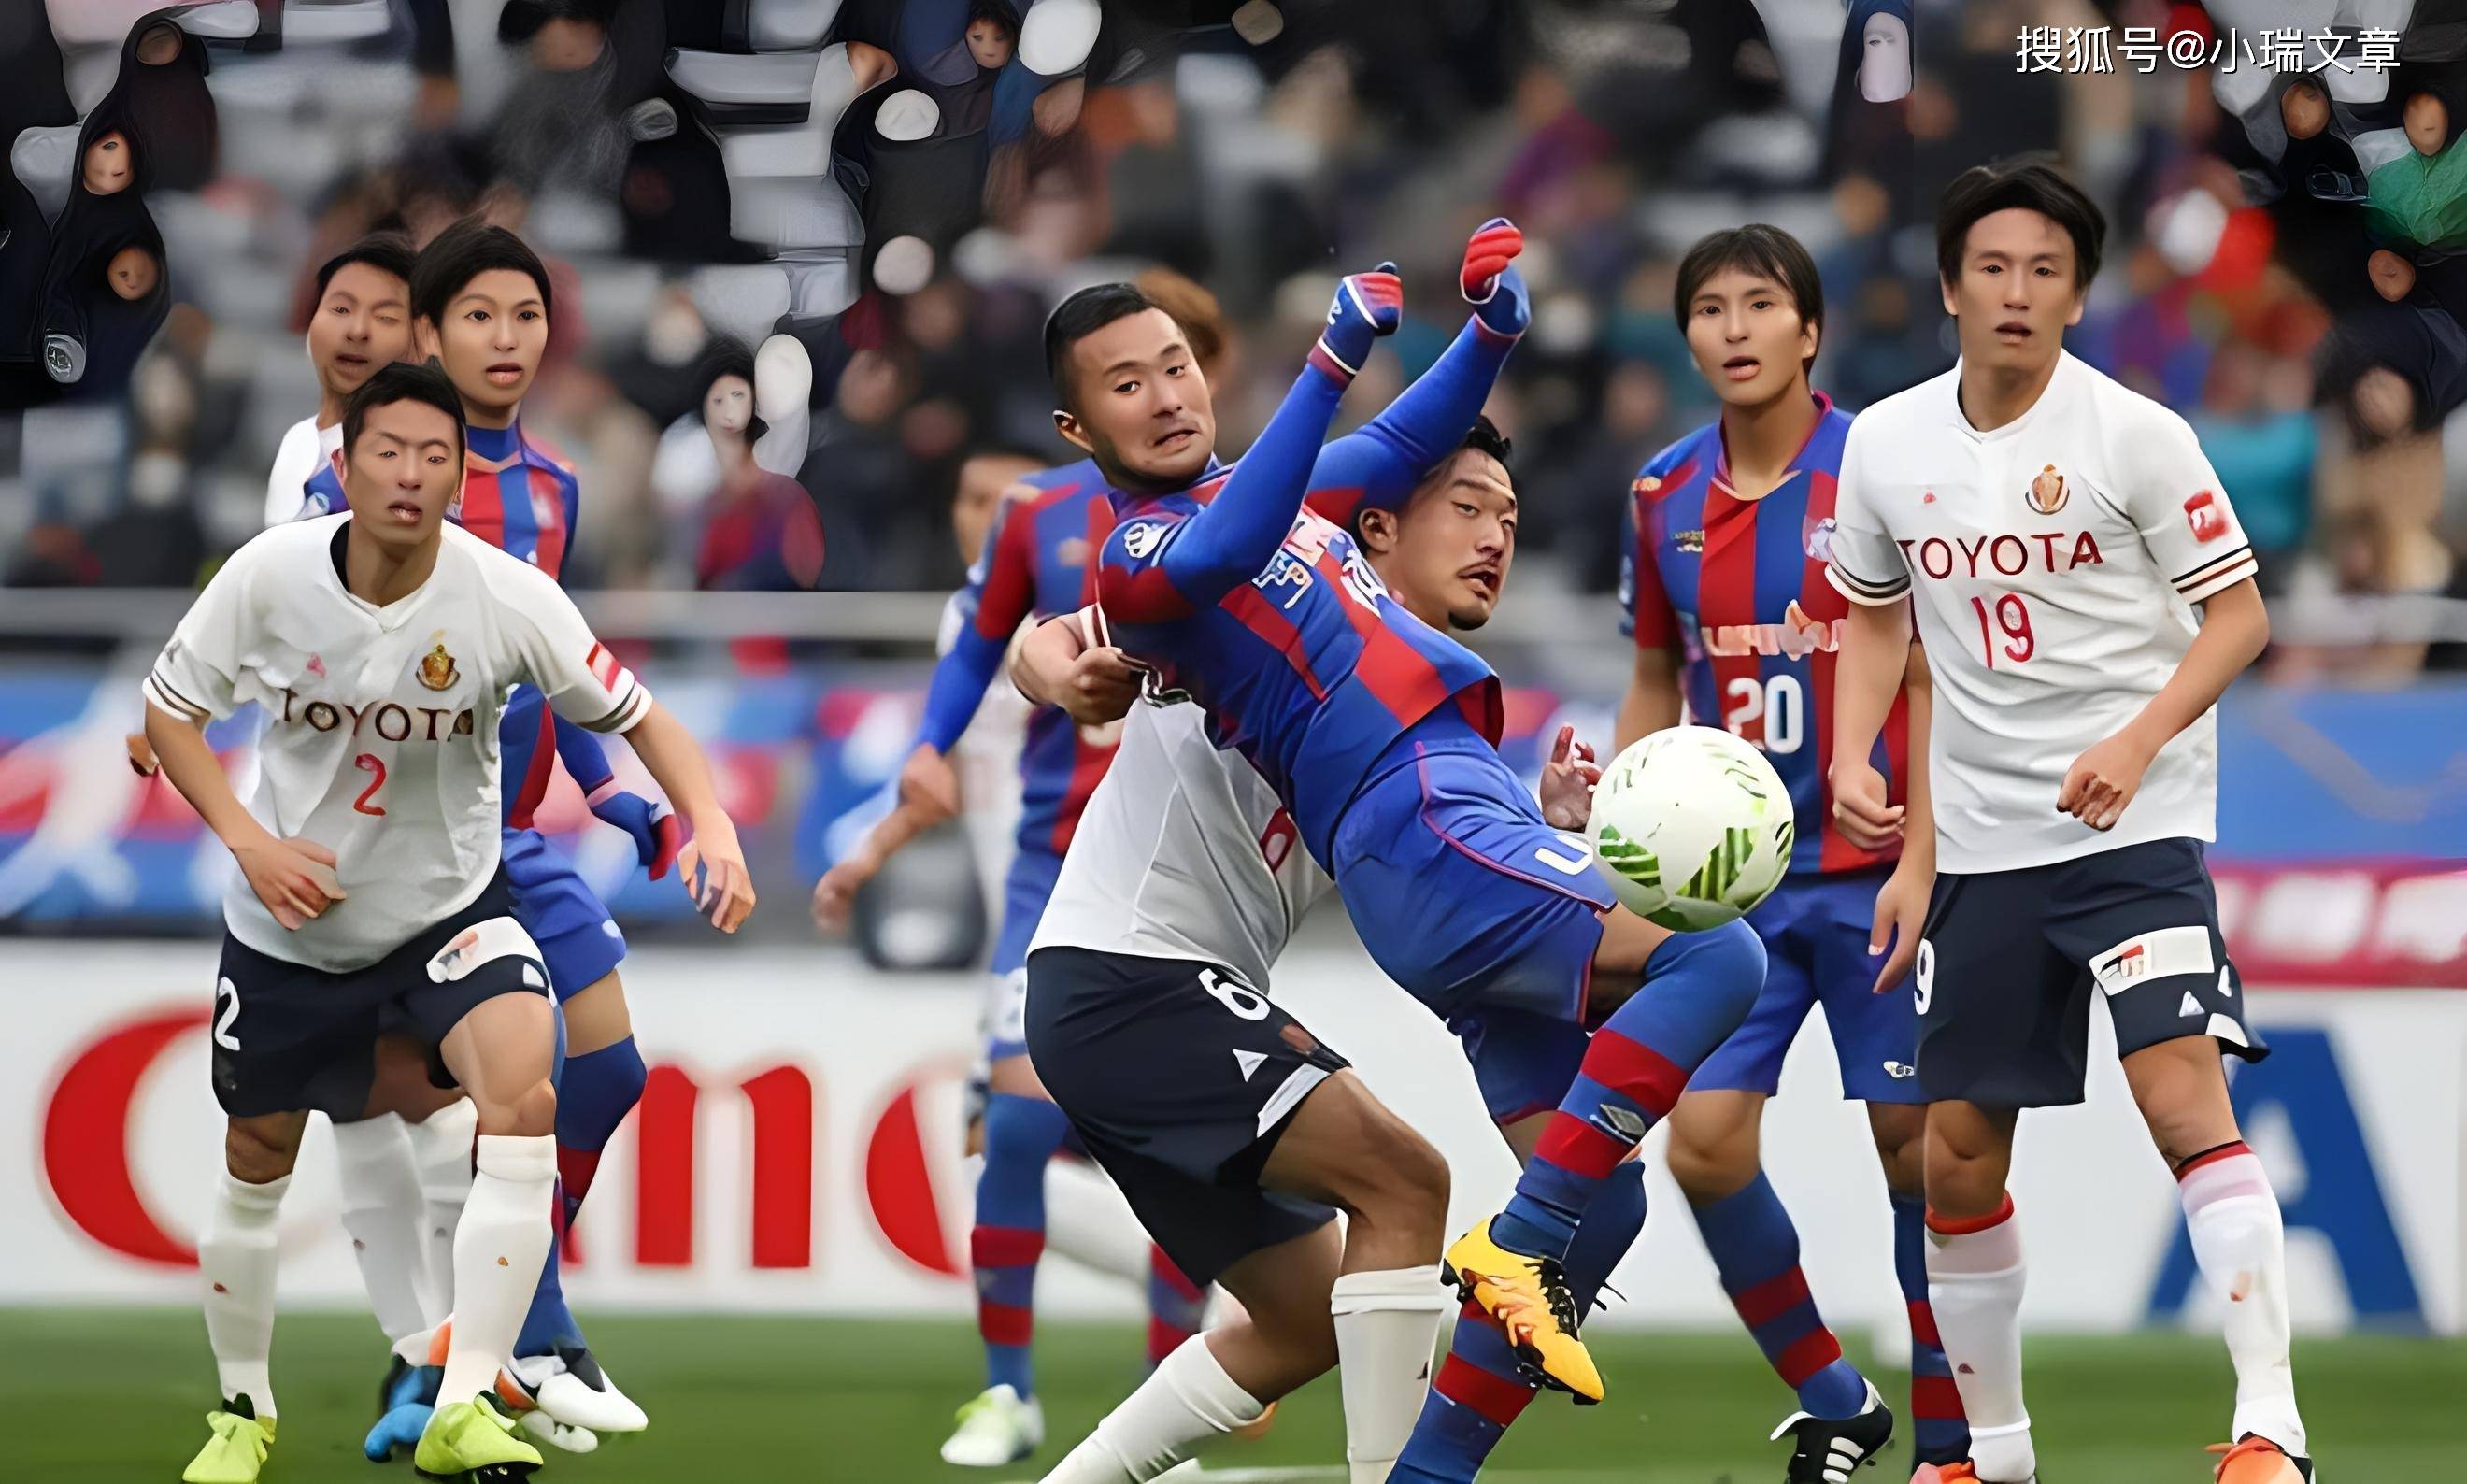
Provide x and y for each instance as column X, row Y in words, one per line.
column 1693, row 826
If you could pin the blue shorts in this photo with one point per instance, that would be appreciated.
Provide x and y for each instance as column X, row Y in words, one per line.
column 1815, row 931
column 564, row 916
column 1025, row 889
column 1460, row 891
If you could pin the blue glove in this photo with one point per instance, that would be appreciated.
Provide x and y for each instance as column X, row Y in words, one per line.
column 1490, row 281
column 1367, row 305
column 657, row 835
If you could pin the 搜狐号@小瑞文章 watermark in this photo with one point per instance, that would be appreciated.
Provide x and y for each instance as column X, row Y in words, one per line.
column 2142, row 49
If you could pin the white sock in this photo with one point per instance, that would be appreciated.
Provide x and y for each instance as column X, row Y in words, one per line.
column 1975, row 1277
column 498, row 1250
column 441, row 1147
column 1087, row 1220
column 1385, row 1324
column 1187, row 1403
column 236, row 1259
column 382, row 1211
column 2242, row 1248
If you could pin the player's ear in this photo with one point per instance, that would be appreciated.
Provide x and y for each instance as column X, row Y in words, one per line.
column 1068, row 425
column 426, row 341
column 1376, row 529
column 1811, row 337
column 1944, row 286
column 2081, row 301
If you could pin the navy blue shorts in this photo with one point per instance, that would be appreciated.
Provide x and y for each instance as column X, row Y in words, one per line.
column 564, row 916
column 1460, row 891
column 2010, row 960
column 1178, row 1078
column 1815, row 931
column 288, row 1037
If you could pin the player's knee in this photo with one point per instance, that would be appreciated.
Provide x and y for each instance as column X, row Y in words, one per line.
column 1962, row 1181
column 1389, row 1174
column 528, row 1112
column 1418, row 1176
column 1901, row 1149
column 1025, row 1130
column 255, row 1153
column 1711, row 1159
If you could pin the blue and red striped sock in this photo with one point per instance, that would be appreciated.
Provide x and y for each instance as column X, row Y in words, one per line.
column 1756, row 1250
column 595, row 1092
column 1697, row 987
column 1021, row 1135
column 1177, row 1307
column 1479, row 1391
column 1939, row 1432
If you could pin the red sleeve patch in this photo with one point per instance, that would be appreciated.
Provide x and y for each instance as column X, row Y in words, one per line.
column 2202, row 512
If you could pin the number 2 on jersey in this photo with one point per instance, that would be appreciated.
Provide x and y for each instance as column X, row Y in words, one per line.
column 2013, row 618
column 370, row 762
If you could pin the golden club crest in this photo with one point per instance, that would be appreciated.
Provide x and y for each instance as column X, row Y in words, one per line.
column 2047, row 492
column 437, row 669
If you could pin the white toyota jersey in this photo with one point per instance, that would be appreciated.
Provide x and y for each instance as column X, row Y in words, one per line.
column 2053, row 564
column 1183, row 851
column 380, row 731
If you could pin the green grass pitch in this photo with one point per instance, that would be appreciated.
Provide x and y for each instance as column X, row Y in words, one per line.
column 121, row 1396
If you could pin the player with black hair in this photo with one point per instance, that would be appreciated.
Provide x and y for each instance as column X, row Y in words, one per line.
column 361, row 322
column 382, row 648
column 2086, row 595
column 1732, row 619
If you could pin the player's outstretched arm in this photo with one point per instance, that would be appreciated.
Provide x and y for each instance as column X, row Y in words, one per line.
column 835, row 894
column 2102, row 782
column 1153, row 575
column 1382, row 460
column 1875, row 653
column 712, row 863
column 294, row 877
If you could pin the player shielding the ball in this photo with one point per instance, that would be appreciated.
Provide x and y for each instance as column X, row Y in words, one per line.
column 2055, row 535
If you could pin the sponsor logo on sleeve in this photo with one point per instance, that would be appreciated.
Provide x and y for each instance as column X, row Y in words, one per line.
column 603, row 666
column 2207, row 516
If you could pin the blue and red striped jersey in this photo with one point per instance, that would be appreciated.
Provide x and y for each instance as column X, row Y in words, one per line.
column 520, row 497
column 1039, row 562
column 1310, row 669
column 1737, row 587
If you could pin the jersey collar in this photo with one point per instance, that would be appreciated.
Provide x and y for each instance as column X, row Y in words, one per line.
column 1126, row 502
column 1790, row 471
column 524, row 452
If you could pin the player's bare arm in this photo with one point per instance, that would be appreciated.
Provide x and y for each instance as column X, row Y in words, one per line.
column 294, row 877
column 2103, row 780
column 1652, row 700
column 1875, row 658
column 835, row 894
column 711, row 866
column 1902, row 901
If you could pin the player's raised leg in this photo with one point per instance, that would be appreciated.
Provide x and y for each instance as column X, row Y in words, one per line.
column 1672, row 999
column 1522, row 1062
column 237, row 1260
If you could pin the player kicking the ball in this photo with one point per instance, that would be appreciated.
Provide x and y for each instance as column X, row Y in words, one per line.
column 1727, row 602
column 1376, row 732
column 381, row 645
column 2056, row 535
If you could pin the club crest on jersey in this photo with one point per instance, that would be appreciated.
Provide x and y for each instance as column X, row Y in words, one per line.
column 2203, row 513
column 1690, row 543
column 437, row 669
column 1143, row 539
column 1818, row 538
column 2047, row 492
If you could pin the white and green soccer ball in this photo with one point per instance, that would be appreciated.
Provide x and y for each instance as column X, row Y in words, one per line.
column 1693, row 826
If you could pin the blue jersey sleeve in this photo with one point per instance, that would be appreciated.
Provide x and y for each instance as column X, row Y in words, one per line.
column 1154, row 571
column 1379, row 464
column 586, row 760
column 1000, row 594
